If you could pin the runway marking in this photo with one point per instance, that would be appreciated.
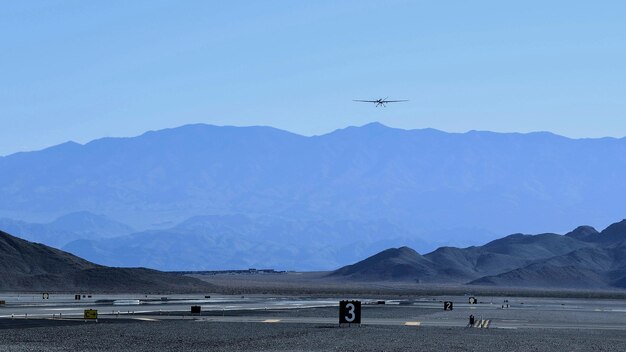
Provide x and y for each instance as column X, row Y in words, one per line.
column 482, row 324
column 412, row 323
column 146, row 319
column 271, row 320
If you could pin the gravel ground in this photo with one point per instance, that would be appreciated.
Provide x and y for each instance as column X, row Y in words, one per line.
column 206, row 336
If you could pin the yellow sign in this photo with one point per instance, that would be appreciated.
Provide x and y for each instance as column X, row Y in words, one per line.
column 3, row 303
column 91, row 314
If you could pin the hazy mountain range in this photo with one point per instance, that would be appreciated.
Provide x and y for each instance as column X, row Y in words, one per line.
column 217, row 242
column 342, row 196
column 67, row 228
column 583, row 258
column 237, row 241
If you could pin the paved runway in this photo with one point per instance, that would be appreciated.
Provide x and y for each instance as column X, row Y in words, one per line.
column 534, row 313
column 35, row 306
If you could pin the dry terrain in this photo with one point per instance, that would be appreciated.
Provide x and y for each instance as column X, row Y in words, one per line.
column 202, row 336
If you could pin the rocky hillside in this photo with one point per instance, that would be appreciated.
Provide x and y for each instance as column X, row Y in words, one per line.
column 27, row 266
column 583, row 258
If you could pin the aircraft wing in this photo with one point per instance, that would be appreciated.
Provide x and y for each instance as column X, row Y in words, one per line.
column 393, row 101
column 367, row 101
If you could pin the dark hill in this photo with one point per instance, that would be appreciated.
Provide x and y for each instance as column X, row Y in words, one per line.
column 533, row 246
column 583, row 233
column 391, row 264
column 598, row 266
column 27, row 266
column 542, row 275
column 459, row 265
column 583, row 258
column 612, row 234
column 504, row 254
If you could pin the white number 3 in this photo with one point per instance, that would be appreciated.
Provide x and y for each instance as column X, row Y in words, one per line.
column 350, row 317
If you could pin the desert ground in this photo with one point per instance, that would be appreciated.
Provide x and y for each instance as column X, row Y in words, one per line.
column 205, row 336
column 268, row 322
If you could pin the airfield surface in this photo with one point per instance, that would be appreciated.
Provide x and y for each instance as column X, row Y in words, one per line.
column 281, row 323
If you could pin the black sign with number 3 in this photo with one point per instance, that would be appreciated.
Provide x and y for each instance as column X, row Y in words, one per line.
column 350, row 312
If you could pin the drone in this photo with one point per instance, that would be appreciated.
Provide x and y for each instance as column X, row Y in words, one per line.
column 380, row 102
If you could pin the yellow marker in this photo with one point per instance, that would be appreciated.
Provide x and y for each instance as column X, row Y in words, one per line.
column 90, row 314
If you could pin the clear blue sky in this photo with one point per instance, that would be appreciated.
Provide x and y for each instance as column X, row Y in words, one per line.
column 79, row 70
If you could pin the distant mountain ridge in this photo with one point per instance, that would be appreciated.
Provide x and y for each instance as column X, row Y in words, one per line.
column 240, row 242
column 583, row 258
column 66, row 229
column 420, row 180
